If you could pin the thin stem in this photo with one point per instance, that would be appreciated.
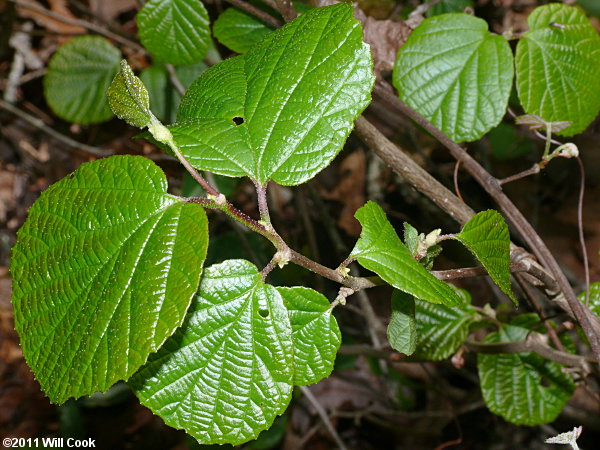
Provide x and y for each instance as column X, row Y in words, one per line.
column 287, row 10
column 263, row 207
column 455, row 179
column 531, row 171
column 548, row 141
column 534, row 343
column 253, row 10
column 586, row 266
column 174, row 79
column 193, row 172
column 323, row 415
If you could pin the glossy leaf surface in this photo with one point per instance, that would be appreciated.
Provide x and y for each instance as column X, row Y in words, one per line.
column 315, row 333
column 128, row 98
column 380, row 250
column 557, row 67
column 228, row 371
column 103, row 271
column 486, row 236
column 282, row 111
column 78, row 77
column 175, row 31
column 239, row 31
column 442, row 330
column 455, row 74
column 523, row 388
column 402, row 329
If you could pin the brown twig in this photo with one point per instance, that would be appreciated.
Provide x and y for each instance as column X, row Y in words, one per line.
column 254, row 11
column 586, row 266
column 323, row 415
column 38, row 123
column 534, row 343
column 82, row 23
column 492, row 186
column 287, row 10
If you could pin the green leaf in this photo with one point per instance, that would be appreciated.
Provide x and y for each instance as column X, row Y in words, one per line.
column 557, row 76
column 128, row 98
column 456, row 74
column 449, row 6
column 411, row 238
column 228, row 371
column 315, row 333
column 442, row 330
column 164, row 98
column 591, row 6
column 486, row 236
column 594, row 298
column 380, row 250
column 402, row 330
column 239, row 31
column 103, row 271
column 78, row 77
column 175, row 31
column 523, row 388
column 282, row 111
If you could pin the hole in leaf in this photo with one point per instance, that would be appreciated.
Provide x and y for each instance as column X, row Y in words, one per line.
column 263, row 313
column 238, row 120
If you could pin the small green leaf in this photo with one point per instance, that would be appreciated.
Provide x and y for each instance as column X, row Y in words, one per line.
column 315, row 333
column 456, row 74
column 442, row 330
column 78, row 77
column 128, row 98
column 228, row 371
column 411, row 238
column 402, row 330
column 449, row 6
column 239, row 31
column 103, row 271
column 486, row 236
column 283, row 110
column 523, row 388
column 380, row 250
column 175, row 31
column 557, row 76
column 594, row 299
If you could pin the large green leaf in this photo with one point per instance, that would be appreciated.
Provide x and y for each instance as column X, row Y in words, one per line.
column 239, row 31
column 456, row 74
column 380, row 250
column 78, row 77
column 282, row 111
column 402, row 329
column 523, row 388
column 228, row 371
column 315, row 333
column 557, row 67
column 486, row 236
column 442, row 330
column 103, row 271
column 175, row 31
